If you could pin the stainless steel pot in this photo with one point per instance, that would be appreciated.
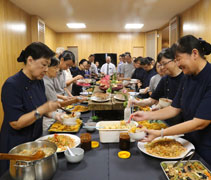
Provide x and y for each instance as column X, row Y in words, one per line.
column 43, row 169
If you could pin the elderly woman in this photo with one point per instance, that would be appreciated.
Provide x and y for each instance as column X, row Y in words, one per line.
column 24, row 101
column 193, row 98
column 67, row 59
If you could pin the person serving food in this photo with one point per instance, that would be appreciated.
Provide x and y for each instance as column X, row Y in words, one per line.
column 193, row 98
column 24, row 100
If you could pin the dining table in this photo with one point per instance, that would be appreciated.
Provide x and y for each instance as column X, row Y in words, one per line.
column 103, row 163
column 111, row 104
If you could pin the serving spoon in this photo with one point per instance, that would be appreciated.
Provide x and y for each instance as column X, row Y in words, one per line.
column 38, row 155
column 70, row 152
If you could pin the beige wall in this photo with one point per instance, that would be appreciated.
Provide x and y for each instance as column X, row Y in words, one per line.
column 11, row 40
column 89, row 43
column 50, row 38
column 197, row 21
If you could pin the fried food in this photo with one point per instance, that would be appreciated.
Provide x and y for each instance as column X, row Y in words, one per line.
column 59, row 127
column 165, row 147
column 135, row 129
column 153, row 125
column 80, row 108
column 144, row 108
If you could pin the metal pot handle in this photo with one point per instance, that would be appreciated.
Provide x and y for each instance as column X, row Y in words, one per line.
column 26, row 164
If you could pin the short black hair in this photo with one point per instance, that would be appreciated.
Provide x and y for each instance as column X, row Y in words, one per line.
column 139, row 58
column 88, row 62
column 54, row 61
column 127, row 54
column 82, row 61
column 67, row 55
column 146, row 61
column 168, row 53
column 122, row 55
column 91, row 55
column 36, row 50
column 187, row 43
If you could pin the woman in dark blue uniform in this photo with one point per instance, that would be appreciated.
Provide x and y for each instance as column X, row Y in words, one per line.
column 193, row 98
column 148, row 65
column 80, row 71
column 24, row 101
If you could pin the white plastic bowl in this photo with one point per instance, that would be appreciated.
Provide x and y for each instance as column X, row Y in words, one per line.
column 133, row 81
column 78, row 114
column 138, row 135
column 79, row 155
column 164, row 102
column 90, row 126
column 142, row 91
column 69, row 121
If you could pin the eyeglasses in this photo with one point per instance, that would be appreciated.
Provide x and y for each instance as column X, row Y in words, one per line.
column 164, row 64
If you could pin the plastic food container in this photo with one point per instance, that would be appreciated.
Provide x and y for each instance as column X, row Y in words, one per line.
column 111, row 135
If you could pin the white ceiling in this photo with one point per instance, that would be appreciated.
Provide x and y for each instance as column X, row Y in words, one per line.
column 104, row 15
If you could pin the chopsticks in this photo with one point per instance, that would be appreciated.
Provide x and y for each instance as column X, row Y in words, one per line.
column 130, row 118
column 65, row 110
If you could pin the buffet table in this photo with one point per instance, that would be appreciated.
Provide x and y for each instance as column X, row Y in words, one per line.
column 103, row 163
column 112, row 104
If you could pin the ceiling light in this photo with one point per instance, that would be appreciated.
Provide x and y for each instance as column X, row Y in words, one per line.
column 134, row 26
column 76, row 25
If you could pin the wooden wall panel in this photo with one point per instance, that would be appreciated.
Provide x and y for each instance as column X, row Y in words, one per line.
column 197, row 21
column 89, row 43
column 15, row 35
column 50, row 38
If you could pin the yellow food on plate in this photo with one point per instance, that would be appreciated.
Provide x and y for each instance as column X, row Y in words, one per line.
column 62, row 141
column 165, row 147
column 153, row 125
column 80, row 108
column 59, row 127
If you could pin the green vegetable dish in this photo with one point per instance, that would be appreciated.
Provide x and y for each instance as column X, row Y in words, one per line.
column 194, row 170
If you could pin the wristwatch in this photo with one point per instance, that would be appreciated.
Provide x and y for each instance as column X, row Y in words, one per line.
column 37, row 114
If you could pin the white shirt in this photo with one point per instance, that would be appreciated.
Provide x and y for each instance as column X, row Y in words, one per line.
column 93, row 68
column 111, row 68
column 68, row 76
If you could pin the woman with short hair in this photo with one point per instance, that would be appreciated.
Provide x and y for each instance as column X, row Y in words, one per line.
column 24, row 101
column 193, row 98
